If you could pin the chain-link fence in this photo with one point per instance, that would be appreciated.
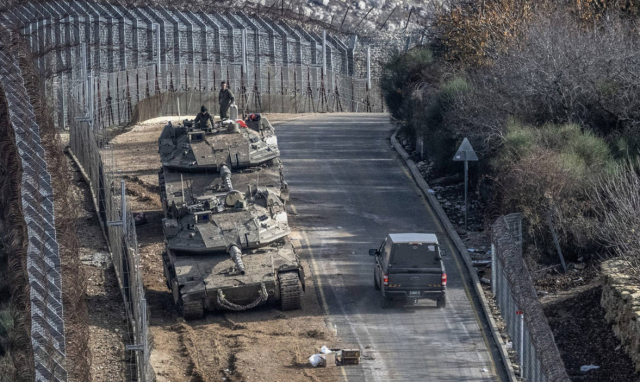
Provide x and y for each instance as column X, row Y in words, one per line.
column 89, row 149
column 139, row 94
column 136, row 52
column 43, row 262
column 517, row 300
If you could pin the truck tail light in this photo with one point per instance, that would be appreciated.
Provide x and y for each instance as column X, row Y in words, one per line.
column 444, row 279
column 385, row 280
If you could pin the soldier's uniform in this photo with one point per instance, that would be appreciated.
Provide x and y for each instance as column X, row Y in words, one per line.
column 226, row 99
column 204, row 120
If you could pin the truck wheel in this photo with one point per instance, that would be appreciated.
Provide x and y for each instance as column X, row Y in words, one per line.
column 441, row 302
column 191, row 310
column 385, row 302
column 290, row 291
column 375, row 281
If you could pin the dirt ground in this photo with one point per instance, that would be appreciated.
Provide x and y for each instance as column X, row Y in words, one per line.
column 572, row 305
column 264, row 344
column 107, row 322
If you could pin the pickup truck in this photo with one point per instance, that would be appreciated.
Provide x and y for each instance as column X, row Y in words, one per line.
column 409, row 267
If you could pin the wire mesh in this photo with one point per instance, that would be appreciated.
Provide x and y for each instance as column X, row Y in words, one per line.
column 137, row 94
column 90, row 146
column 515, row 295
column 270, row 66
column 37, row 200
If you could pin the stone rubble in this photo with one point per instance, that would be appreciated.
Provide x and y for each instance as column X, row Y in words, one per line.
column 621, row 300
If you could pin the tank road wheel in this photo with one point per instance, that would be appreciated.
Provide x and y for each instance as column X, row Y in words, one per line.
column 290, row 291
column 441, row 302
column 191, row 310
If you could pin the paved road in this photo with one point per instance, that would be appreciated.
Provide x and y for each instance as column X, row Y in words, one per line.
column 349, row 188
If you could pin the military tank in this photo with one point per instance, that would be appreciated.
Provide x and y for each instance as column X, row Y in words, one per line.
column 225, row 248
column 174, row 184
column 188, row 148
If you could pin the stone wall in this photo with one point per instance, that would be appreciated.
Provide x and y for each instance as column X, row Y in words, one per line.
column 621, row 300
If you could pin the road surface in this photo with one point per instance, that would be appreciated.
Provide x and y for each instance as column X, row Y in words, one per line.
column 349, row 189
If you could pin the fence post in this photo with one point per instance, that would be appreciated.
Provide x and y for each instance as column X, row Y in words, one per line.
column 145, row 343
column 123, row 221
column 324, row 52
column 521, row 350
column 123, row 198
column 368, row 68
column 493, row 269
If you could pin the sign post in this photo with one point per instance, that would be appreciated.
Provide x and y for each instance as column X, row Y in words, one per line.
column 465, row 154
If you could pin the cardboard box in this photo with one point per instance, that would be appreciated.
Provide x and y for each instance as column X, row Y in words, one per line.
column 329, row 359
column 350, row 361
column 351, row 353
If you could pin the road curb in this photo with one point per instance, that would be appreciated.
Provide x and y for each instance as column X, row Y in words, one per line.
column 462, row 250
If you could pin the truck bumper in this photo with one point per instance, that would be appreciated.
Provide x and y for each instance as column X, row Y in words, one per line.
column 414, row 294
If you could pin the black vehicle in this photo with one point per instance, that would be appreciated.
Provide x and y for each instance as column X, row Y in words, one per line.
column 409, row 267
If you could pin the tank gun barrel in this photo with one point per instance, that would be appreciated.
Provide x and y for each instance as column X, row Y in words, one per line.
column 236, row 255
column 225, row 174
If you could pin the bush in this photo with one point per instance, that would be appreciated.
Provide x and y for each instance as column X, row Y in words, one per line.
column 552, row 168
column 6, row 326
column 547, row 93
column 8, row 371
column 399, row 75
column 473, row 32
column 440, row 139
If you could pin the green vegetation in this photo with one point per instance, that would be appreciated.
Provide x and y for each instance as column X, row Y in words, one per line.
column 539, row 90
column 400, row 70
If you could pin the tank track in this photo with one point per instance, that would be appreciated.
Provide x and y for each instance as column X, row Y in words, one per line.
column 192, row 310
column 290, row 291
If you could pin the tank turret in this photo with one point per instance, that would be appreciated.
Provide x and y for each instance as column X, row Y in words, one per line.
column 185, row 148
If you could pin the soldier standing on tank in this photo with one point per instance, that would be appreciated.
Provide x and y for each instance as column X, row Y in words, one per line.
column 204, row 120
column 226, row 99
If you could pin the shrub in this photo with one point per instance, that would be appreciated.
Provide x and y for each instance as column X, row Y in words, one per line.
column 472, row 32
column 431, row 123
column 399, row 74
column 551, row 169
column 617, row 201
column 6, row 326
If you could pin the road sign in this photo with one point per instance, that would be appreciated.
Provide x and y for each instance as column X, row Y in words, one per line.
column 465, row 153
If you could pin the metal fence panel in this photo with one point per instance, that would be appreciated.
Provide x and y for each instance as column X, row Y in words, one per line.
column 90, row 148
column 515, row 295
column 43, row 257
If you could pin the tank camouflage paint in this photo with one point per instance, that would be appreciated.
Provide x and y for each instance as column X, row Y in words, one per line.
column 189, row 149
column 226, row 235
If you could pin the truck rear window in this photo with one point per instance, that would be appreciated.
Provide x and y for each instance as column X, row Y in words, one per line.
column 414, row 256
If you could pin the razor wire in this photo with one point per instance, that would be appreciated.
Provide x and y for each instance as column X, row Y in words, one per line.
column 515, row 295
column 43, row 258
